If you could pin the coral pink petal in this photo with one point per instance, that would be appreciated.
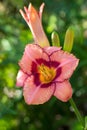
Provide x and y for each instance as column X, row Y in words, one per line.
column 68, row 64
column 21, row 77
column 24, row 15
column 36, row 26
column 32, row 52
column 63, row 91
column 35, row 94
column 52, row 49
column 41, row 10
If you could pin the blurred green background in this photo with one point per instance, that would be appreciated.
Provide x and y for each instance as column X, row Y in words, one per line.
column 14, row 35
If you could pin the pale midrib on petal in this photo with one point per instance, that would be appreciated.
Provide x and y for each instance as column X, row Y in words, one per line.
column 66, row 62
column 34, row 93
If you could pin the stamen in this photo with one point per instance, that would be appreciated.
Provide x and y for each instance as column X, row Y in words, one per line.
column 47, row 74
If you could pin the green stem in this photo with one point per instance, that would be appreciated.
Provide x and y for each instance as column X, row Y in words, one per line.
column 79, row 117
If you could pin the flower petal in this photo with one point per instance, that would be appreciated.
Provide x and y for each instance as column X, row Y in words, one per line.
column 35, row 94
column 68, row 63
column 63, row 91
column 32, row 52
column 52, row 49
column 21, row 77
column 34, row 21
column 41, row 10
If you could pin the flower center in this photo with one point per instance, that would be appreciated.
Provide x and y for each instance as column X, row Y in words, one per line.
column 47, row 74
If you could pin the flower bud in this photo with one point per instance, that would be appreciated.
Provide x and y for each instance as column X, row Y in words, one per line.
column 55, row 39
column 69, row 37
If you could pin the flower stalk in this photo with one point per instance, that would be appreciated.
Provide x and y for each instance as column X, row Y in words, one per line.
column 79, row 117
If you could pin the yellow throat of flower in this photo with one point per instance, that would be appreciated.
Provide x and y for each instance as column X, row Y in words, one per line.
column 47, row 74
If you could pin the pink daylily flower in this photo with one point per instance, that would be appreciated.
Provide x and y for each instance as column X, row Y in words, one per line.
column 34, row 21
column 45, row 72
